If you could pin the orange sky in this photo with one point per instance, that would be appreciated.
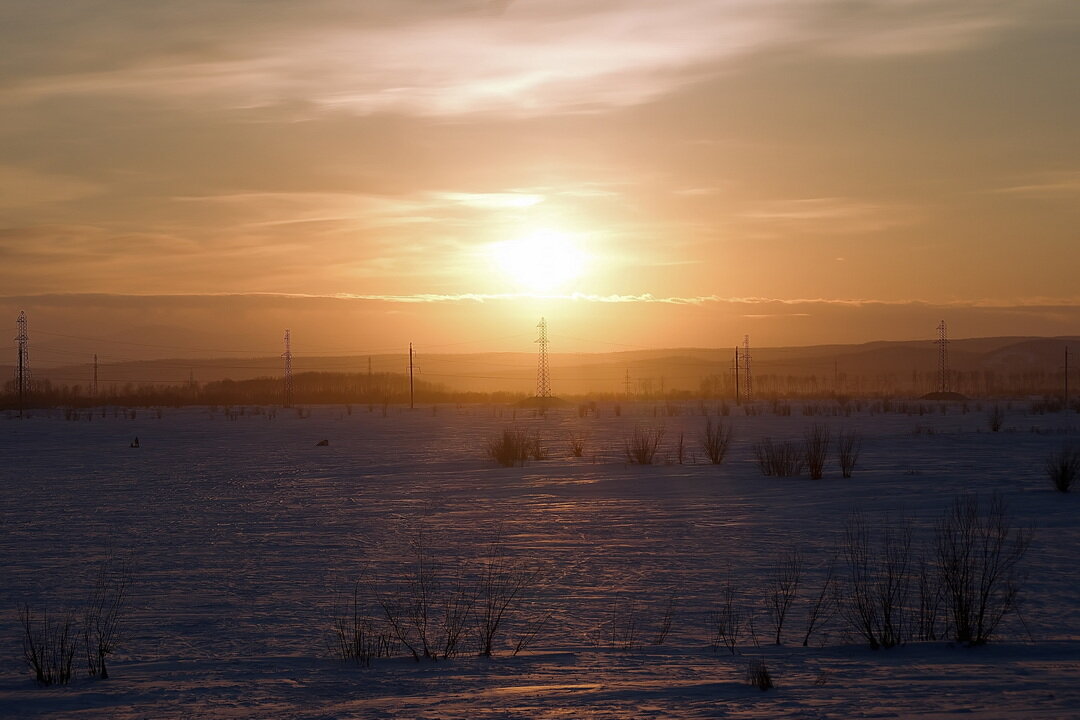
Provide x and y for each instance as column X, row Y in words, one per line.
column 804, row 171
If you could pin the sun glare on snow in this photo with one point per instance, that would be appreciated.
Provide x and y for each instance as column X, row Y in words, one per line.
column 541, row 261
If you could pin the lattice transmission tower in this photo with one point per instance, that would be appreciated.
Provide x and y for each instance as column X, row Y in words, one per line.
column 22, row 365
column 748, row 377
column 943, row 357
column 287, row 355
column 543, row 375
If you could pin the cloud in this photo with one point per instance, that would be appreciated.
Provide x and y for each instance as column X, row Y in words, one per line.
column 833, row 214
column 24, row 187
column 531, row 58
column 1056, row 185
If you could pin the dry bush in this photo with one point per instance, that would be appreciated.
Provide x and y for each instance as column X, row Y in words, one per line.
column 784, row 586
column 510, row 447
column 503, row 585
column 716, row 440
column 848, row 445
column 995, row 418
column 757, row 675
column 816, row 449
column 428, row 616
column 357, row 638
column 663, row 629
column 1063, row 467
column 624, row 623
column 779, row 459
column 49, row 645
column 824, row 606
column 978, row 556
column 577, row 445
column 642, row 446
column 879, row 578
column 101, row 617
column 726, row 621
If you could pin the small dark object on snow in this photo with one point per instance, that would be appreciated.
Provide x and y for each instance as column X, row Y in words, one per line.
column 322, row 443
column 135, row 442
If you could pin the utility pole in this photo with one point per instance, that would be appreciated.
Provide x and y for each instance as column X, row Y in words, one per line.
column 1066, row 378
column 95, row 375
column 22, row 370
column 626, row 383
column 411, row 405
column 287, row 355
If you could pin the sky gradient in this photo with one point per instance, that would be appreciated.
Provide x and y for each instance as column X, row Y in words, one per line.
column 804, row 171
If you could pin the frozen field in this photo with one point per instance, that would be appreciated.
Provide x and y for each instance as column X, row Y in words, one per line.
column 246, row 538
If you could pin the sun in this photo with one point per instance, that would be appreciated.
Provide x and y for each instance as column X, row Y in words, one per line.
column 542, row 261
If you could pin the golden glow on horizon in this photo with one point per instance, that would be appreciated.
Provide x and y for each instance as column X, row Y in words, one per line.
column 542, row 261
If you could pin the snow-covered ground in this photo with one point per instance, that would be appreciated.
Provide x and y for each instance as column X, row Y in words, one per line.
column 246, row 539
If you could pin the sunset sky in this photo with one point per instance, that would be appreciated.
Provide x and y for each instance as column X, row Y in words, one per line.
column 207, row 173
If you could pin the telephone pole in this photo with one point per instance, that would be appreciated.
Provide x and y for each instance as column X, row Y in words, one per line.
column 95, row 375
column 22, row 369
column 287, row 355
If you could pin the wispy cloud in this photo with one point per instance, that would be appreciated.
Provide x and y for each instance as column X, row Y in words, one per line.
column 1059, row 185
column 533, row 58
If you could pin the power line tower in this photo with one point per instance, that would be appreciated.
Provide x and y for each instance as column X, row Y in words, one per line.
column 543, row 376
column 735, row 370
column 22, row 367
column 943, row 357
column 412, row 406
column 748, row 378
column 287, row 355
column 626, row 383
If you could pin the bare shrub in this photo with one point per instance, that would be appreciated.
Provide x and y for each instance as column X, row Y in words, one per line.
column 878, row 581
column 502, row 587
column 931, row 596
column 780, row 459
column 642, row 446
column 356, row 636
column 429, row 617
column 49, row 645
column 715, row 440
column 101, row 616
column 823, row 607
column 624, row 623
column 1063, row 467
column 726, row 621
column 757, row 675
column 995, row 418
column 848, row 444
column 978, row 557
column 816, row 449
column 510, row 447
column 666, row 619
column 783, row 588
column 577, row 445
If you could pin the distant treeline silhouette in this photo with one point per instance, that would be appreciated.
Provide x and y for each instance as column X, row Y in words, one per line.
column 308, row 388
column 383, row 388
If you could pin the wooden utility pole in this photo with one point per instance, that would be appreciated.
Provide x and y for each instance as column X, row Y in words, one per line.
column 411, row 405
